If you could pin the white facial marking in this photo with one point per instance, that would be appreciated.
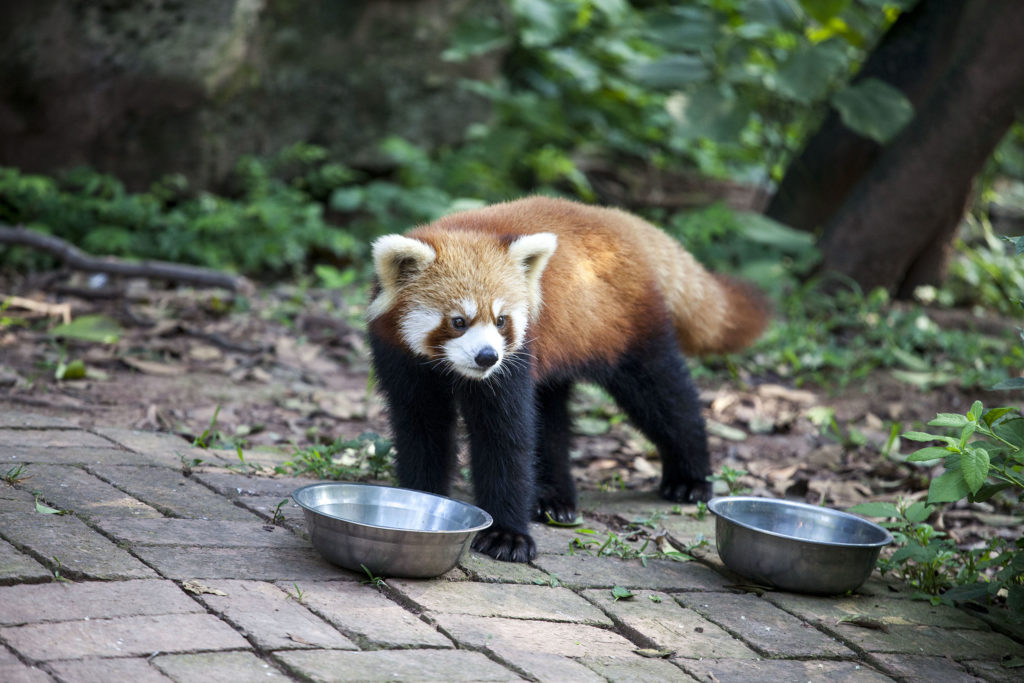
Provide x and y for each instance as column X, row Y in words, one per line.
column 468, row 309
column 416, row 325
column 497, row 306
column 519, row 316
column 462, row 351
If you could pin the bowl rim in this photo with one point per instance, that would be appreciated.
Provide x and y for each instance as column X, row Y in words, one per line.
column 488, row 520
column 715, row 506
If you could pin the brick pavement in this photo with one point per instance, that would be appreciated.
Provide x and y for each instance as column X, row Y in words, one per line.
column 99, row 594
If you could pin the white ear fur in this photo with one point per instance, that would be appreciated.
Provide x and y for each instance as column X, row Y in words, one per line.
column 396, row 258
column 532, row 253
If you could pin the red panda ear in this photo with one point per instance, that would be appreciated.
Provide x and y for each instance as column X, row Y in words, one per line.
column 531, row 253
column 396, row 259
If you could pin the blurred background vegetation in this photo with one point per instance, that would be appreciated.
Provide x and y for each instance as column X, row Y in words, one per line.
column 822, row 148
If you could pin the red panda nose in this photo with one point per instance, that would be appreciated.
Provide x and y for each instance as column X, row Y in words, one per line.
column 486, row 357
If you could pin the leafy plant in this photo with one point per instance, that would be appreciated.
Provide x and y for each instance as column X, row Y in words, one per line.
column 731, row 478
column 16, row 475
column 368, row 456
column 375, row 581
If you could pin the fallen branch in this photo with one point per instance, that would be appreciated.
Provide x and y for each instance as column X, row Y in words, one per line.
column 76, row 259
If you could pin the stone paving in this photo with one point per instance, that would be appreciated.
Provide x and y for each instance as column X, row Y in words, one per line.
column 168, row 568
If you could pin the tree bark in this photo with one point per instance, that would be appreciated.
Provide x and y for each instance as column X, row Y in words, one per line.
column 895, row 227
column 911, row 57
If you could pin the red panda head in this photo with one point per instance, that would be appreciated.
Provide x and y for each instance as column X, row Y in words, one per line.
column 461, row 298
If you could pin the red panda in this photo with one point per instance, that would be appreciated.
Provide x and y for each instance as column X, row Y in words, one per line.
column 494, row 313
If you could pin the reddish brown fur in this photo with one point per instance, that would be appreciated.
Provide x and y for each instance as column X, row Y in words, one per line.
column 613, row 280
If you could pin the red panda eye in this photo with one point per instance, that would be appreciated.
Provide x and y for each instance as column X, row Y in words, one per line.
column 500, row 322
column 459, row 323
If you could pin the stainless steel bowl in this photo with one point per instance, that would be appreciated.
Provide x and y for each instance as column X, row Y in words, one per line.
column 391, row 531
column 794, row 546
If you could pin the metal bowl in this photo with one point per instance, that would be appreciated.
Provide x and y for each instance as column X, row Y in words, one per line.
column 390, row 531
column 794, row 546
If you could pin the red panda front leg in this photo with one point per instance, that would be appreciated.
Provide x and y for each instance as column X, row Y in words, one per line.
column 499, row 414
column 421, row 411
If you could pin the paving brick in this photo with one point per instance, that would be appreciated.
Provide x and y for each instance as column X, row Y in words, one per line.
column 218, row 667
column 543, row 666
column 34, row 603
column 514, row 601
column 86, row 455
column 559, row 638
column 16, row 566
column 95, row 670
column 367, row 615
column 260, row 564
column 586, row 571
column 122, row 637
column 763, row 626
column 200, row 532
column 50, row 438
column 12, row 670
column 554, row 540
column 831, row 612
column 483, row 568
column 635, row 669
column 260, row 494
column 16, row 500
column 71, row 488
column 271, row 619
column 172, row 493
column 155, row 444
column 395, row 665
column 668, row 625
column 994, row 672
column 82, row 552
column 924, row 669
column 10, row 419
column 782, row 670
column 959, row 644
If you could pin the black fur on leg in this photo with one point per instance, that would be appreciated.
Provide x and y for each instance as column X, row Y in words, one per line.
column 500, row 419
column 556, row 490
column 652, row 384
column 421, row 410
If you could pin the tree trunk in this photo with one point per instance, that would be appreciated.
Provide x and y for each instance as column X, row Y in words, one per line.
column 895, row 227
column 911, row 57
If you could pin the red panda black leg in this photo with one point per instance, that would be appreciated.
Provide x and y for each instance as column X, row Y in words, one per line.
column 653, row 386
column 422, row 414
column 500, row 421
column 556, row 490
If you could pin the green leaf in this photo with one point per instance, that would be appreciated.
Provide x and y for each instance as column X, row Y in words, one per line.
column 974, row 464
column 47, row 510
column 923, row 436
column 683, row 28
column 92, row 328
column 1011, row 431
column 621, row 593
column 976, row 411
column 875, row 510
column 1009, row 384
column 948, row 487
column 873, row 109
column 70, row 371
column 668, row 73
column 918, row 512
column 713, row 112
column 949, row 420
column 992, row 415
column 544, row 21
column 476, row 37
column 930, row 453
column 807, row 74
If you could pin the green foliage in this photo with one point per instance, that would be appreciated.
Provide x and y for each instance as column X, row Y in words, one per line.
column 369, row 456
column 269, row 229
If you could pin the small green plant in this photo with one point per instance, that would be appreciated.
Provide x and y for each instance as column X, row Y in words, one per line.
column 731, row 478
column 984, row 461
column 46, row 509
column 188, row 464
column 16, row 475
column 298, row 596
column 369, row 456
column 278, row 516
column 57, row 569
column 551, row 580
column 375, row 581
column 210, row 434
column 621, row 593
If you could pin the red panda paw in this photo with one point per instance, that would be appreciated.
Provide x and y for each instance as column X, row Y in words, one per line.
column 685, row 492
column 555, row 510
column 505, row 545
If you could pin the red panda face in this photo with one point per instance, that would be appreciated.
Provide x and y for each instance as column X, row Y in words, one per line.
column 462, row 299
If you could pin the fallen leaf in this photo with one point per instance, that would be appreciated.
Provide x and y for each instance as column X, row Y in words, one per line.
column 865, row 622
column 651, row 653
column 150, row 367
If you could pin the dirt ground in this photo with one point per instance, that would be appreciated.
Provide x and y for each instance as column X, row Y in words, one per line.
column 286, row 370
